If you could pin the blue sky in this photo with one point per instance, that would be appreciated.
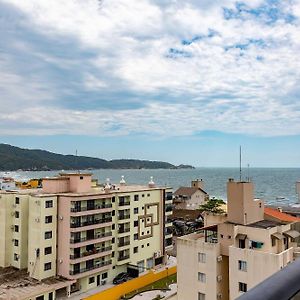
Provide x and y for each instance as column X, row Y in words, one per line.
column 180, row 81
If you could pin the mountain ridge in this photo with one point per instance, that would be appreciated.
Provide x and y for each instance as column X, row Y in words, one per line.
column 13, row 158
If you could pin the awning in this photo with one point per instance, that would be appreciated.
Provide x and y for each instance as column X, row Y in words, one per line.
column 241, row 236
column 277, row 236
column 292, row 233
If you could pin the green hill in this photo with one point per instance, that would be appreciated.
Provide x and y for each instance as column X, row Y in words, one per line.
column 14, row 158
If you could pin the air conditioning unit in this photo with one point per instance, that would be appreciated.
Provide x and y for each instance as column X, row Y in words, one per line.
column 219, row 278
column 37, row 220
column 219, row 258
column 219, row 296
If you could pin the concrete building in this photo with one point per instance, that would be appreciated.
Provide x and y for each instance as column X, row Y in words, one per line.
column 227, row 259
column 83, row 233
column 190, row 197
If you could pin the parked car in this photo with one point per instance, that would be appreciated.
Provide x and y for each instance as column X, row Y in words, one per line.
column 121, row 277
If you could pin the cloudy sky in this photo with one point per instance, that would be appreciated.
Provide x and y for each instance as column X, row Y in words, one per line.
column 186, row 81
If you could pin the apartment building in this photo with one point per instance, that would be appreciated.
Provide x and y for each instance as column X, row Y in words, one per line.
column 83, row 233
column 224, row 260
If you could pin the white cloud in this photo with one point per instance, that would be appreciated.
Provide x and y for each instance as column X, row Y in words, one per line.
column 242, row 90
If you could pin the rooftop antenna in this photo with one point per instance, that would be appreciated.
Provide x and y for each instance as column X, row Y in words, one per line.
column 77, row 162
column 240, row 163
column 248, row 172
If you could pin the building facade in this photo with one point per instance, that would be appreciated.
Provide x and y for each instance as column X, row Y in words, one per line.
column 84, row 233
column 227, row 259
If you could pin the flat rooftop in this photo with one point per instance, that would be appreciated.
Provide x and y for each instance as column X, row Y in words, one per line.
column 16, row 284
column 265, row 224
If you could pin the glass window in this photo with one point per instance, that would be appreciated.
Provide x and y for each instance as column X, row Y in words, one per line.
column 16, row 243
column 48, row 235
column 48, row 250
column 16, row 228
column 201, row 296
column 242, row 287
column 47, row 266
column 201, row 277
column 135, row 237
column 242, row 265
column 135, row 223
column 50, row 296
column 17, row 214
column 136, row 210
column 136, row 197
column 91, row 280
column 201, row 257
column 17, row 200
column 135, row 249
column 40, row 297
column 48, row 203
column 16, row 257
column 104, row 275
column 48, row 219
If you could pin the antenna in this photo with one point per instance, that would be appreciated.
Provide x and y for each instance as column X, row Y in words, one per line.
column 240, row 163
column 248, row 172
column 77, row 162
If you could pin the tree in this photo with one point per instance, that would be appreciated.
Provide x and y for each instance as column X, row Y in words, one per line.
column 213, row 206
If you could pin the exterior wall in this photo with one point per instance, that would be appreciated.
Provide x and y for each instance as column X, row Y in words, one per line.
column 36, row 237
column 46, row 295
column 213, row 219
column 193, row 202
column 80, row 183
column 226, row 234
column 198, row 184
column 260, row 265
column 57, row 185
column 242, row 207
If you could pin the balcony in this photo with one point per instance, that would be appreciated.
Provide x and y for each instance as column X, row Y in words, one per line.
column 123, row 257
column 124, row 202
column 123, row 230
column 123, row 243
column 124, row 217
column 88, row 208
column 95, row 237
column 91, row 222
column 91, row 252
column 95, row 266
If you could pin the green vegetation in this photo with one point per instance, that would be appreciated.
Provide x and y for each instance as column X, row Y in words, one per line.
column 213, row 206
column 14, row 158
column 162, row 284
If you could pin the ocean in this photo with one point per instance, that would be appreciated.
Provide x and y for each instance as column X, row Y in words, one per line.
column 274, row 185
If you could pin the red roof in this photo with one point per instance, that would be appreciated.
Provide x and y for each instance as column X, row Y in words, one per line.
column 280, row 215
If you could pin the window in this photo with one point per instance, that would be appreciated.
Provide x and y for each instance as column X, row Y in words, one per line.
column 48, row 250
column 202, row 257
column 148, row 244
column 201, row 296
column 273, row 242
column 47, row 266
column 113, row 213
column 136, row 210
column 135, row 237
column 48, row 235
column 17, row 200
column 113, row 254
column 40, row 297
column 48, row 219
column 229, row 237
column 16, row 257
column 91, row 280
column 81, row 177
column 113, row 199
column 135, row 223
column 142, row 246
column 113, row 227
column 136, row 197
column 17, row 214
column 113, row 240
column 242, row 265
column 143, row 195
column 16, row 228
column 242, row 244
column 135, row 249
column 242, row 287
column 50, row 296
column 201, row 277
column 16, row 243
column 104, row 275
column 257, row 245
column 48, row 203
column 148, row 195
column 221, row 236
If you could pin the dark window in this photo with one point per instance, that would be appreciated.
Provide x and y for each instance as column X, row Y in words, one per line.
column 47, row 266
column 113, row 213
column 142, row 246
column 148, row 244
column 242, row 287
column 135, row 223
column 16, row 243
column 16, row 257
column 113, row 254
column 50, row 296
column 16, row 228
column 136, row 197
column 113, row 240
column 48, row 235
column 17, row 214
column 143, row 195
column 17, row 200
column 148, row 195
column 135, row 237
column 91, row 280
column 48, row 219
column 135, row 249
column 113, row 227
column 48, row 250
column 81, row 177
column 104, row 275
column 48, row 203
column 242, row 244
column 113, row 199
column 136, row 210
column 273, row 242
column 39, row 298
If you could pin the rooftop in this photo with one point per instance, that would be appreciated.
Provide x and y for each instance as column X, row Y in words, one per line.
column 275, row 213
column 187, row 191
column 265, row 224
column 16, row 284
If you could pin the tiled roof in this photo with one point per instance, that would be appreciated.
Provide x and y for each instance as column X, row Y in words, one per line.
column 187, row 191
column 280, row 215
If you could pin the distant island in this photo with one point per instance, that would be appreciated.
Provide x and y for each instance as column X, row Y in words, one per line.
column 14, row 158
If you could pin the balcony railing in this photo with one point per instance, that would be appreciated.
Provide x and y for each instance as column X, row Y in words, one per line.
column 123, row 243
column 123, row 230
column 94, row 207
column 95, row 237
column 123, row 217
column 123, row 257
column 124, row 203
column 96, row 266
column 91, row 252
column 90, row 222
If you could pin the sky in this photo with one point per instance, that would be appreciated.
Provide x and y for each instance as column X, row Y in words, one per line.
column 179, row 81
